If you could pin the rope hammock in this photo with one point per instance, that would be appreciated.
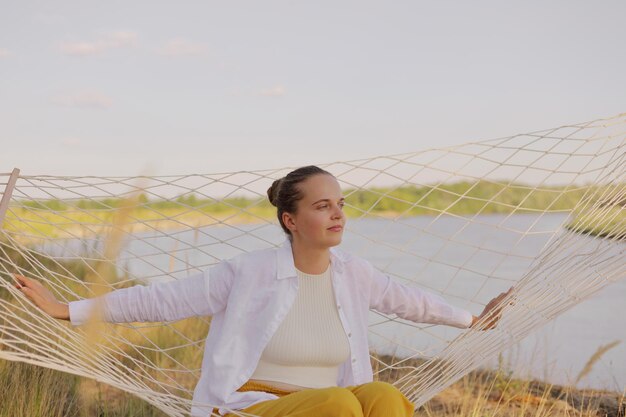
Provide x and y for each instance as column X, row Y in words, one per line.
column 542, row 211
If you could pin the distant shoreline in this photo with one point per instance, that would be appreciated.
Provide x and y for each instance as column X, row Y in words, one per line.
column 196, row 220
column 88, row 218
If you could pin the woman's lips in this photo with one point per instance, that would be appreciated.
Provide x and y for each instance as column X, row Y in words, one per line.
column 335, row 228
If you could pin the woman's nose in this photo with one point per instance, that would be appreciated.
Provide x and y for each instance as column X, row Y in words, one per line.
column 337, row 213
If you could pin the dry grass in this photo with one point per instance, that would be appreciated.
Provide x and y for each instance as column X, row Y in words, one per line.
column 485, row 393
column 27, row 390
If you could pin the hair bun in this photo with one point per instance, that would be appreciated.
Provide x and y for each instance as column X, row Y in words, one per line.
column 272, row 192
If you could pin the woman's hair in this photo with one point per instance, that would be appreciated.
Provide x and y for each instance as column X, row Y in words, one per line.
column 285, row 192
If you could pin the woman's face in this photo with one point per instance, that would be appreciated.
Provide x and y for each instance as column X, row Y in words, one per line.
column 319, row 220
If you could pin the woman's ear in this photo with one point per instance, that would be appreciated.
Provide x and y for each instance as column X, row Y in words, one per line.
column 289, row 222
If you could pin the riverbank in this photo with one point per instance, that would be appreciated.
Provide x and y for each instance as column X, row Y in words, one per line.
column 40, row 392
column 34, row 221
column 57, row 218
column 495, row 393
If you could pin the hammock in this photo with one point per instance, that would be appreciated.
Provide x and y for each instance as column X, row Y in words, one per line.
column 542, row 211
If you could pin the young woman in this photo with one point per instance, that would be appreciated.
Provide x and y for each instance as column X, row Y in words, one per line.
column 288, row 334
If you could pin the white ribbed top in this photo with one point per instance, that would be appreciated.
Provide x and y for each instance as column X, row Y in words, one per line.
column 310, row 344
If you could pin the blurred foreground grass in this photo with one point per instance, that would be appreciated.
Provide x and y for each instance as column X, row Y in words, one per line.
column 27, row 390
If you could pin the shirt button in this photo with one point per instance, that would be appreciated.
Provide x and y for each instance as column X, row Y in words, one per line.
column 349, row 334
column 338, row 307
column 353, row 360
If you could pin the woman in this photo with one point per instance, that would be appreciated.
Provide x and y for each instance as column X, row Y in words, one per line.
column 288, row 334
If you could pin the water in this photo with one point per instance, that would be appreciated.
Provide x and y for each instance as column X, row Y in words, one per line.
column 469, row 260
column 508, row 245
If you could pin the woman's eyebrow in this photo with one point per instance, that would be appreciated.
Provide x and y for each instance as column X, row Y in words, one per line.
column 327, row 199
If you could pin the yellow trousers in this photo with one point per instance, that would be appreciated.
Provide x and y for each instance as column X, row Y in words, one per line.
column 373, row 399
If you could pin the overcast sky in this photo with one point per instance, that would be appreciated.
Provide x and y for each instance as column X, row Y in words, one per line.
column 122, row 88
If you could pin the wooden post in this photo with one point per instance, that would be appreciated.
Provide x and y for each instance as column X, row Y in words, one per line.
column 6, row 196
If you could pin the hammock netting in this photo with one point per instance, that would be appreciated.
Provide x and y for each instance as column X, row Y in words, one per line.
column 542, row 211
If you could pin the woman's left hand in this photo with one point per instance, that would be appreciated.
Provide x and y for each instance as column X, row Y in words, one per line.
column 491, row 313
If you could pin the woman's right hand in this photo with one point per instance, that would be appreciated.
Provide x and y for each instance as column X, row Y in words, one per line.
column 42, row 297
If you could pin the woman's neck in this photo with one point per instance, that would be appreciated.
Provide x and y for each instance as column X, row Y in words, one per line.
column 310, row 260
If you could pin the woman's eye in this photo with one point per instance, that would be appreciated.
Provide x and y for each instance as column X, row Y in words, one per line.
column 326, row 206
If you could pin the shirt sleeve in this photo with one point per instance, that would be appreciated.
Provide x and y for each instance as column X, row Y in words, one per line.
column 202, row 294
column 411, row 303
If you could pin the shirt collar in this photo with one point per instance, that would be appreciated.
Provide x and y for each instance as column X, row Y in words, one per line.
column 286, row 267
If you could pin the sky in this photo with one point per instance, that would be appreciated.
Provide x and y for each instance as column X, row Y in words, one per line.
column 168, row 88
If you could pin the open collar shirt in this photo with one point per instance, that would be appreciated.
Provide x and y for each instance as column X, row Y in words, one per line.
column 248, row 297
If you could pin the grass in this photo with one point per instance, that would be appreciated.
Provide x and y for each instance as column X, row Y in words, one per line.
column 497, row 393
column 33, row 391
column 609, row 223
column 27, row 390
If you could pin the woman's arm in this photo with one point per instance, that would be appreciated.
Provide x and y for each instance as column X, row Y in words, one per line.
column 163, row 301
column 414, row 304
column 411, row 303
column 202, row 294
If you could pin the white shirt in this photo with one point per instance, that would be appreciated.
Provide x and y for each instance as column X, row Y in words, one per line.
column 249, row 296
